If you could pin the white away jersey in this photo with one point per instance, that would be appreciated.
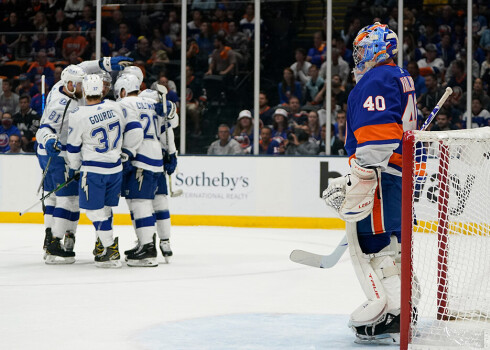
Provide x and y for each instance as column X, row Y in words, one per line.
column 95, row 138
column 52, row 118
column 149, row 154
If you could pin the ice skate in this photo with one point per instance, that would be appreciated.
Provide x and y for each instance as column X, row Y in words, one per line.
column 110, row 257
column 47, row 239
column 166, row 250
column 69, row 241
column 56, row 254
column 132, row 250
column 144, row 256
column 99, row 248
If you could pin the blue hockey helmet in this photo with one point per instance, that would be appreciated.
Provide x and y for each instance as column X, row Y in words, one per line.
column 373, row 44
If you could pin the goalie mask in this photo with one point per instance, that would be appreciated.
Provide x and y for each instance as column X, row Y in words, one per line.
column 373, row 44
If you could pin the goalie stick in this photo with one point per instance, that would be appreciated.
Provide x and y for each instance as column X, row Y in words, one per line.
column 328, row 261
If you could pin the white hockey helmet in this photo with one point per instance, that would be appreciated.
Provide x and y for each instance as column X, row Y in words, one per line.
column 74, row 74
column 92, row 85
column 128, row 82
column 132, row 70
column 105, row 76
column 150, row 94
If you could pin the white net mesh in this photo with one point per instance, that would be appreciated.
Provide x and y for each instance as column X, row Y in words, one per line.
column 451, row 239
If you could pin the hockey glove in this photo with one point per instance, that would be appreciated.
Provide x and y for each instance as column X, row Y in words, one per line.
column 52, row 145
column 75, row 174
column 169, row 162
column 117, row 63
column 126, row 158
column 353, row 195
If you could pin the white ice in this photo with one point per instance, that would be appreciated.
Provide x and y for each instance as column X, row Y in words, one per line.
column 225, row 289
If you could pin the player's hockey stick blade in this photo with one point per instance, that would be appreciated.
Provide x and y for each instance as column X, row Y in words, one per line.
column 317, row 260
column 162, row 89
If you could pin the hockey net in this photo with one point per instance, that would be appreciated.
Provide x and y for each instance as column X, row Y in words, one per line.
column 446, row 240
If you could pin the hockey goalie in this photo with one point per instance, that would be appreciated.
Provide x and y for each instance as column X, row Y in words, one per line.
column 380, row 108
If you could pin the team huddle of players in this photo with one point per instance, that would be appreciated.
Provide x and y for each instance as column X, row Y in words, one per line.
column 106, row 148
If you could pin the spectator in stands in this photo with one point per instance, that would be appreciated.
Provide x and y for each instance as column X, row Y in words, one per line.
column 43, row 44
column 453, row 107
column 27, row 121
column 349, row 36
column 431, row 64
column 479, row 117
column 174, row 26
column 225, row 145
column 124, row 42
column 170, row 85
column 265, row 111
column 6, row 130
column 25, row 87
column 419, row 80
column 447, row 52
column 165, row 42
column 74, row 43
column 23, row 47
column 111, row 25
column 91, row 42
column 205, row 39
column 142, row 53
column 289, row 87
column 443, row 122
column 296, row 115
column 57, row 73
column 40, row 22
column 280, row 127
column 314, row 125
column 15, row 145
column 428, row 101
column 243, row 131
column 339, row 66
column 194, row 26
column 485, row 40
column 336, row 145
column 477, row 92
column 223, row 59
column 345, row 52
column 268, row 145
column 11, row 25
column 9, row 101
column 298, row 143
column 338, row 91
column 301, row 67
column 60, row 26
column 247, row 23
column 238, row 41
column 194, row 100
column 74, row 8
column 41, row 67
column 87, row 21
column 220, row 22
column 341, row 125
column 458, row 77
column 314, row 85
column 316, row 55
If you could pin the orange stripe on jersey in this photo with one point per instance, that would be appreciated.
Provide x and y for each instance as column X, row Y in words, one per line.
column 396, row 159
column 377, row 214
column 352, row 157
column 379, row 132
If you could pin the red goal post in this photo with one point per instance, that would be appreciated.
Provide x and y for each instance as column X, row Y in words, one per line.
column 445, row 280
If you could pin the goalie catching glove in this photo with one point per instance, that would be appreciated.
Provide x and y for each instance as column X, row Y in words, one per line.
column 352, row 196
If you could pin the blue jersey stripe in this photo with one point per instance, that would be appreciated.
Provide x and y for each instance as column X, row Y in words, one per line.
column 101, row 164
column 131, row 126
column 73, row 149
column 153, row 162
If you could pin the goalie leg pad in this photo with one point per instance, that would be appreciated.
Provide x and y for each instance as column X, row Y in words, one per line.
column 380, row 280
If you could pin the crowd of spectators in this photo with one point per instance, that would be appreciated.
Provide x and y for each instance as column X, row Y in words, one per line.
column 42, row 37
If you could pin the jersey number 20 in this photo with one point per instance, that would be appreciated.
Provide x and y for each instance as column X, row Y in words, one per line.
column 113, row 128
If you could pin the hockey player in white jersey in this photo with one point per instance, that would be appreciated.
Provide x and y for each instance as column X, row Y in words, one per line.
column 140, row 178
column 94, row 147
column 61, row 210
column 166, row 123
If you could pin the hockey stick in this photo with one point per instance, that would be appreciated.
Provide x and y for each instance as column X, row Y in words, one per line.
column 162, row 92
column 50, row 158
column 59, row 187
column 328, row 261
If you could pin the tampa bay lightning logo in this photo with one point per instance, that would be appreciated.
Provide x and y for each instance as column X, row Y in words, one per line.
column 4, row 140
column 63, row 101
column 75, row 110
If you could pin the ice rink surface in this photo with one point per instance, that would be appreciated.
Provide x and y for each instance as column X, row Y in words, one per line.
column 225, row 289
